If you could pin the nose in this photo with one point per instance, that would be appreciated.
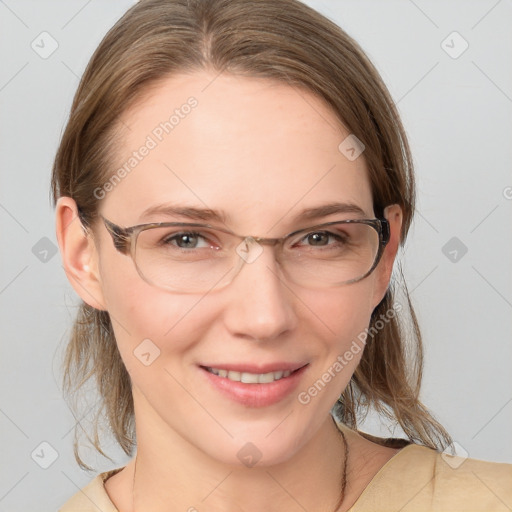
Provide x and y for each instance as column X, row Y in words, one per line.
column 260, row 303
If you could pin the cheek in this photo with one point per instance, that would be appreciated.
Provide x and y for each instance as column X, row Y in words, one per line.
column 340, row 314
column 338, row 319
column 149, row 320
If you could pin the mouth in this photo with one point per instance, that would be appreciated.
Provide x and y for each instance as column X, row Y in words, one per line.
column 254, row 386
column 249, row 377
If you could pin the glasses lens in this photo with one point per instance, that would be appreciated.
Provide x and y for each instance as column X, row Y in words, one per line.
column 189, row 259
column 184, row 258
column 339, row 254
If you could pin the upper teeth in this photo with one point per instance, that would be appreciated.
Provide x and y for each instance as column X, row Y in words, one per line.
column 250, row 378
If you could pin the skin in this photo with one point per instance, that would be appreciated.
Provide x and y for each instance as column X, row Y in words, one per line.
column 262, row 152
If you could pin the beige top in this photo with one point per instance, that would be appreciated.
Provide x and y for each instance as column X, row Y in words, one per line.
column 415, row 479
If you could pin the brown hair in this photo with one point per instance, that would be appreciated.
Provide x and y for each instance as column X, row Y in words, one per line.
column 285, row 41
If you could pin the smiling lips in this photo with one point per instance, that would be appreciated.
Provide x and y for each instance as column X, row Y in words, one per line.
column 255, row 385
column 247, row 375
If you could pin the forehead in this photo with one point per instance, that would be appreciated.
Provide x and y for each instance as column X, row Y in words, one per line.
column 259, row 150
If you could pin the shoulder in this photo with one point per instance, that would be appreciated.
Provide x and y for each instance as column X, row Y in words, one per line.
column 92, row 497
column 421, row 479
column 474, row 484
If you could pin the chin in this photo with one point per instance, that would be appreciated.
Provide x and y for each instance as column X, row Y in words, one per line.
column 270, row 444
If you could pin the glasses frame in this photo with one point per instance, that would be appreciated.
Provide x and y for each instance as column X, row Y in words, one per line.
column 125, row 239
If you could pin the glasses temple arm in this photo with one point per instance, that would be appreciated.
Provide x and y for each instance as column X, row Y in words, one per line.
column 121, row 237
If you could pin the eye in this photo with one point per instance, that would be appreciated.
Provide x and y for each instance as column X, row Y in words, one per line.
column 323, row 239
column 187, row 240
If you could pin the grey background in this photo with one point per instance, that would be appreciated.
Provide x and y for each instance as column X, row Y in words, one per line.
column 457, row 112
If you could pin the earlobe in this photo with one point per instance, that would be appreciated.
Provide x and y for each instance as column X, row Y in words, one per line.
column 78, row 253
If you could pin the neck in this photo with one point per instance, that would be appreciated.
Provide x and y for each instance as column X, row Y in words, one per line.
column 170, row 472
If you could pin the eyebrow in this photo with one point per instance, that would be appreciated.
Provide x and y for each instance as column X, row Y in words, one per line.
column 208, row 215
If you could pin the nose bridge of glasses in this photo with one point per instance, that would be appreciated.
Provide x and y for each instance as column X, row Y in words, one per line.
column 250, row 248
column 266, row 241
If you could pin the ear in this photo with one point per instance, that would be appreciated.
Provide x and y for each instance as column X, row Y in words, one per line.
column 79, row 253
column 393, row 214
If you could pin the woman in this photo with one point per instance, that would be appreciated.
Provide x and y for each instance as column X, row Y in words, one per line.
column 232, row 188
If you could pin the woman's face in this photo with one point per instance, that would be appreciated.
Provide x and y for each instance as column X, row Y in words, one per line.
column 261, row 153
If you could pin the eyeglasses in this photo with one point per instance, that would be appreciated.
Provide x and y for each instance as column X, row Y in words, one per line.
column 194, row 258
